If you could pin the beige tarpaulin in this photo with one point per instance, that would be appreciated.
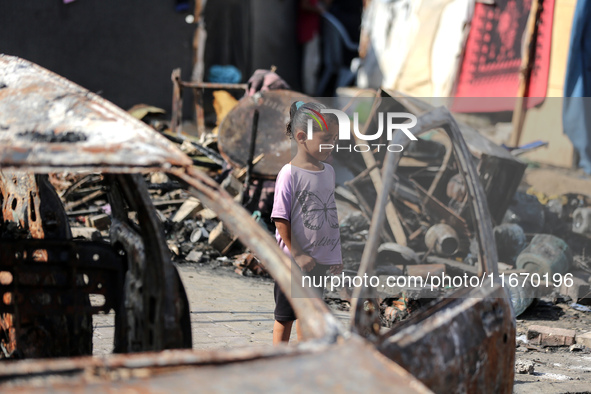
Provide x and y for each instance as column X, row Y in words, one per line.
column 418, row 44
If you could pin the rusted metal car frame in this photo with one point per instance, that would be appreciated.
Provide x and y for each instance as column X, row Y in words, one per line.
column 434, row 346
column 49, row 124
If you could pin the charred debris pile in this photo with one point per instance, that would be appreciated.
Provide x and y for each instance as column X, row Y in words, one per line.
column 429, row 227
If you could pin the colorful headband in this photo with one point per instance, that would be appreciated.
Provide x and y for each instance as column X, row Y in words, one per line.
column 299, row 104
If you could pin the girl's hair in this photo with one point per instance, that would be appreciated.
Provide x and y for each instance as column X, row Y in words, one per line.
column 299, row 113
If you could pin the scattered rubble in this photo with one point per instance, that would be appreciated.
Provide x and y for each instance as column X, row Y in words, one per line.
column 584, row 339
column 524, row 367
column 550, row 336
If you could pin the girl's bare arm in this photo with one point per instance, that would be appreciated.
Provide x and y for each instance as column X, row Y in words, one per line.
column 304, row 261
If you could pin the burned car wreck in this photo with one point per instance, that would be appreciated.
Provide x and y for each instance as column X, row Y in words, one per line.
column 460, row 343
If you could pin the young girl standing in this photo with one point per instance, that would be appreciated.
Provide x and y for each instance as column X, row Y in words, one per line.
column 304, row 209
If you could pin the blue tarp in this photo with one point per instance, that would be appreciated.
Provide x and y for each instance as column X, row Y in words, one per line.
column 576, row 116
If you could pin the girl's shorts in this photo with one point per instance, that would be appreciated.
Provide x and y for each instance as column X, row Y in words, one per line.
column 283, row 310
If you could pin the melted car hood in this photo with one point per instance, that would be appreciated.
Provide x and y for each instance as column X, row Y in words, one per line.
column 47, row 122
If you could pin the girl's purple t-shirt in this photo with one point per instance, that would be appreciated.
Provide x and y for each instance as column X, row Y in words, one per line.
column 306, row 199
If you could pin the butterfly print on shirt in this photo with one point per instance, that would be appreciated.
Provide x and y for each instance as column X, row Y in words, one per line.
column 317, row 212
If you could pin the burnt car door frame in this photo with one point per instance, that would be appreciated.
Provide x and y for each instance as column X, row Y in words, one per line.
column 470, row 334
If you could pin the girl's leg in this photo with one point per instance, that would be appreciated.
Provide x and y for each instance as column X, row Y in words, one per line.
column 299, row 331
column 282, row 331
column 284, row 317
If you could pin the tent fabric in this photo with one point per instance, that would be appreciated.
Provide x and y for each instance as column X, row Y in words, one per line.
column 417, row 44
column 228, row 27
column 251, row 35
